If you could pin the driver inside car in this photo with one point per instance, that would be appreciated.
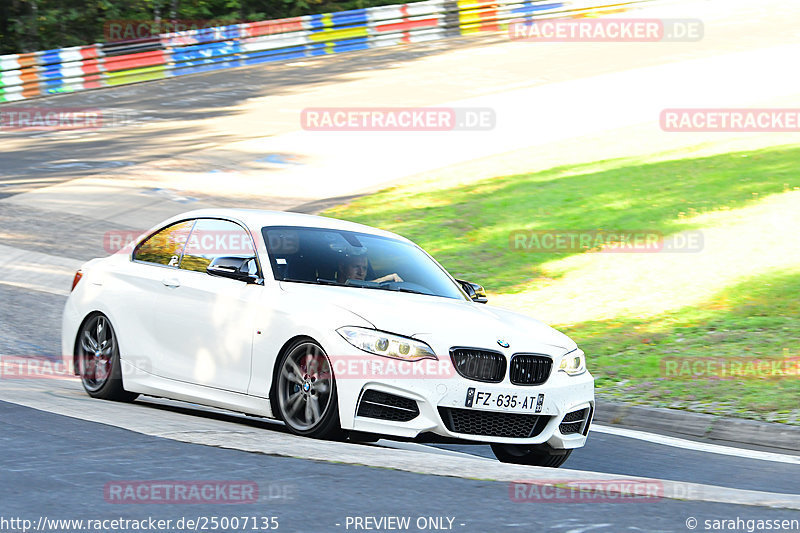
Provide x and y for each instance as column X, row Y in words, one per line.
column 355, row 267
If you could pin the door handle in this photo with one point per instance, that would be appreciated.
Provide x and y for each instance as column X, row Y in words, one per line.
column 171, row 282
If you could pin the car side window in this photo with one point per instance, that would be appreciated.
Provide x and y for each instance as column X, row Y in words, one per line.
column 213, row 238
column 165, row 246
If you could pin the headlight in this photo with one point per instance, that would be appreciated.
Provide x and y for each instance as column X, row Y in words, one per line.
column 574, row 363
column 386, row 344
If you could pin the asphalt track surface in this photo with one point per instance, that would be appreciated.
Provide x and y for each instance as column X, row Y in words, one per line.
column 66, row 463
column 52, row 214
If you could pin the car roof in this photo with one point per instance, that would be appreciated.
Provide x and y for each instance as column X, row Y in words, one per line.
column 255, row 219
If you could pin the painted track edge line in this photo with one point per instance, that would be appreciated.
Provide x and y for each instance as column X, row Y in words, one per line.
column 686, row 444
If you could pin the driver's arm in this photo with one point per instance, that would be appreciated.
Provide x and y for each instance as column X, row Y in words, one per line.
column 389, row 277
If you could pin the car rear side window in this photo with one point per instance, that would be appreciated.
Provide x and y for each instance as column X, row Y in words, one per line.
column 213, row 238
column 165, row 246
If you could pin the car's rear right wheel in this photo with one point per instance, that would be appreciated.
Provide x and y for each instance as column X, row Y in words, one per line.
column 534, row 455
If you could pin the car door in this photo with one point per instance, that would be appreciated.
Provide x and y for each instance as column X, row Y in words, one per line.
column 205, row 323
column 143, row 280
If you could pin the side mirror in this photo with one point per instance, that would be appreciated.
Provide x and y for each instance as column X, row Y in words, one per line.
column 474, row 291
column 237, row 268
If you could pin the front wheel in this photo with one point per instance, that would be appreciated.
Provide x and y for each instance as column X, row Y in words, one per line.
column 306, row 392
column 533, row 455
column 98, row 361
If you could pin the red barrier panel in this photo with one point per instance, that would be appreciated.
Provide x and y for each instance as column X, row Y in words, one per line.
column 488, row 16
column 92, row 73
column 129, row 61
column 90, row 52
column 91, row 66
column 405, row 25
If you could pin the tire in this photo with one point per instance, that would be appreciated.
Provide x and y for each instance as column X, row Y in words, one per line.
column 97, row 354
column 305, row 391
column 534, row 455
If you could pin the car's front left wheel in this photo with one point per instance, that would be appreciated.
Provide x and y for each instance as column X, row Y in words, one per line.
column 98, row 360
column 306, row 392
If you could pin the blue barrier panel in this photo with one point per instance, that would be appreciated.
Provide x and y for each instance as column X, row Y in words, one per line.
column 317, row 49
column 50, row 72
column 48, row 57
column 530, row 7
column 56, row 87
column 50, row 76
column 194, row 68
column 277, row 54
column 355, row 17
column 209, row 51
column 361, row 43
column 316, row 22
column 206, row 57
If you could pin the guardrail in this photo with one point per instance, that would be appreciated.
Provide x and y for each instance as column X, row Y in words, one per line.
column 79, row 68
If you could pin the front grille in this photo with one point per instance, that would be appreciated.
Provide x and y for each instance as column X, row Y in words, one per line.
column 491, row 424
column 479, row 365
column 529, row 369
column 574, row 421
column 384, row 406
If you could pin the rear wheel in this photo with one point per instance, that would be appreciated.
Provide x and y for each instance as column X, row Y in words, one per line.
column 306, row 392
column 98, row 360
column 533, row 455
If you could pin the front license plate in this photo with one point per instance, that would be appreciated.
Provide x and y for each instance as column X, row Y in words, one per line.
column 519, row 403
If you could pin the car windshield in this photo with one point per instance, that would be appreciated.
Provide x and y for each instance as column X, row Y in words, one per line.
column 351, row 259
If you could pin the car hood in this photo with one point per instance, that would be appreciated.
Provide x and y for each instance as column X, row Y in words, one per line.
column 444, row 322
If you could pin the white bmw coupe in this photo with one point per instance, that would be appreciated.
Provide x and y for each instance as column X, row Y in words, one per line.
column 335, row 328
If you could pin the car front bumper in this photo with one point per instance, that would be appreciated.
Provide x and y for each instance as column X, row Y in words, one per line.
column 442, row 390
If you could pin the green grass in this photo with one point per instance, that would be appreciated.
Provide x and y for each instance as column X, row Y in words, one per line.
column 633, row 312
column 467, row 229
column 757, row 320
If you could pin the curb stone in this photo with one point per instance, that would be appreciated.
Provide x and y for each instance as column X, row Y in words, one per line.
column 699, row 425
